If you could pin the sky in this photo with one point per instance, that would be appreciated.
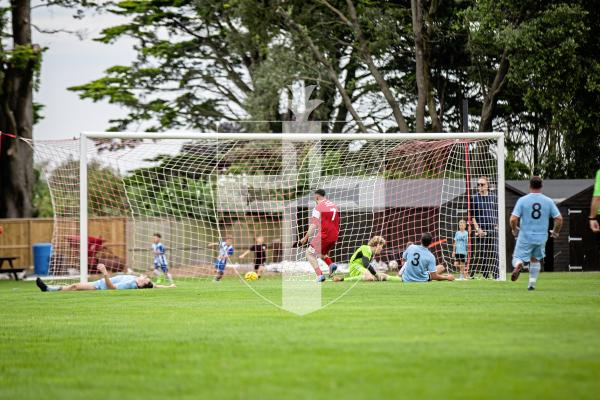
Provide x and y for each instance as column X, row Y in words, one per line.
column 70, row 61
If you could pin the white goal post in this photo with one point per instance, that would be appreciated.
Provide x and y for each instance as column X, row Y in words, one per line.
column 457, row 177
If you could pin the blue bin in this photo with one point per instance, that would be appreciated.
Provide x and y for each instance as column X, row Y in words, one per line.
column 41, row 257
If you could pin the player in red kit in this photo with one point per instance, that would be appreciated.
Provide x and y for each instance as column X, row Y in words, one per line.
column 326, row 219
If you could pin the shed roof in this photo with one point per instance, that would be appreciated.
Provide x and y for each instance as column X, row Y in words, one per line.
column 558, row 190
column 350, row 193
column 376, row 193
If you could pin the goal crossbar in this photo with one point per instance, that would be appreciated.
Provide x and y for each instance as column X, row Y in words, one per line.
column 292, row 136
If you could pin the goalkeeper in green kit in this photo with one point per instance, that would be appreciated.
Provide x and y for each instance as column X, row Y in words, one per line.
column 361, row 269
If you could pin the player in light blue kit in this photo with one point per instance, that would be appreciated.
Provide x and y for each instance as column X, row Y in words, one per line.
column 160, row 260
column 119, row 282
column 420, row 263
column 529, row 222
column 225, row 250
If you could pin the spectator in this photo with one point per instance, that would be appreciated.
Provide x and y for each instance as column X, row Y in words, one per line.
column 485, row 222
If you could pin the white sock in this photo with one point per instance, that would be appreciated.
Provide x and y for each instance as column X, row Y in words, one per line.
column 170, row 277
column 534, row 271
column 157, row 273
column 54, row 288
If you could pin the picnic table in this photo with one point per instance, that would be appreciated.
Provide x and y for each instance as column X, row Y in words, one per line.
column 11, row 268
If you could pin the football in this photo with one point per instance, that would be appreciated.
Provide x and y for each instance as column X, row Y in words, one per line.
column 251, row 276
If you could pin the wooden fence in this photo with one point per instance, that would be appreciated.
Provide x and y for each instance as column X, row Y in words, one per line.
column 186, row 239
column 20, row 235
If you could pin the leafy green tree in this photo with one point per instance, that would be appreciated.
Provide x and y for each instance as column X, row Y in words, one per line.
column 42, row 200
column 195, row 64
column 177, row 197
column 526, row 67
column 545, row 60
column 106, row 193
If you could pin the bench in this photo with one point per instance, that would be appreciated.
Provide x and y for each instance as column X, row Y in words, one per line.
column 12, row 269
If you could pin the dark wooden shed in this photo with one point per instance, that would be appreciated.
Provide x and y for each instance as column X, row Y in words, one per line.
column 575, row 249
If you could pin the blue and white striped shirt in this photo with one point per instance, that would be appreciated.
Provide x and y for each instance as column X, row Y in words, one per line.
column 159, row 255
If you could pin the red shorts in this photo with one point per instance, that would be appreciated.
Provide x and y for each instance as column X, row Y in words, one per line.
column 322, row 245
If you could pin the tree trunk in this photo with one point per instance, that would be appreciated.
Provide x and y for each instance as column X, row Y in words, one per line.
column 417, row 24
column 536, row 153
column 436, row 120
column 16, row 116
column 328, row 94
column 436, row 123
column 301, row 30
column 491, row 97
column 379, row 79
column 349, row 85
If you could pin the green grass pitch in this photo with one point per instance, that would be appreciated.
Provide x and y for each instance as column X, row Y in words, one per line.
column 447, row 340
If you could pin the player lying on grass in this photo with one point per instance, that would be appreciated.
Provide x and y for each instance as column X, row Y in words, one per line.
column 326, row 220
column 106, row 283
column 361, row 267
column 420, row 263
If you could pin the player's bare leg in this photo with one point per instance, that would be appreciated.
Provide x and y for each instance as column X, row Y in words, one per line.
column 382, row 277
column 367, row 277
column 461, row 268
column 68, row 288
column 159, row 275
column 462, row 271
column 312, row 259
column 219, row 275
column 78, row 286
column 440, row 270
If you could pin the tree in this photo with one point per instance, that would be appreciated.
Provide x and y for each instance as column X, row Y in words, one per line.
column 19, row 70
column 543, row 58
column 42, row 200
column 414, row 52
column 102, row 180
column 380, row 66
column 195, row 64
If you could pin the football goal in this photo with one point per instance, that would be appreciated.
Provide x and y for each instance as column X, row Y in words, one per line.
column 113, row 191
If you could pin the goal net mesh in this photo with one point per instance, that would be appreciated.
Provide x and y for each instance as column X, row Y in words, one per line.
column 196, row 193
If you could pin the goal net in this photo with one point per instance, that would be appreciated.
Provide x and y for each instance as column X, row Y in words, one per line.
column 198, row 190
